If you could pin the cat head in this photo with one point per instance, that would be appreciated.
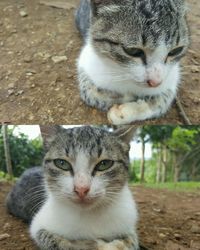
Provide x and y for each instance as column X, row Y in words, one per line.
column 86, row 166
column 147, row 38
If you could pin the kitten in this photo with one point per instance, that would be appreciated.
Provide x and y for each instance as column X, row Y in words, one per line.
column 87, row 203
column 129, row 65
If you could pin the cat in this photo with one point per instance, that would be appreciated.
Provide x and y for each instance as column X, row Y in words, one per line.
column 129, row 64
column 83, row 194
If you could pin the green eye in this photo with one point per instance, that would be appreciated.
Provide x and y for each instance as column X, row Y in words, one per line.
column 104, row 165
column 176, row 52
column 63, row 164
column 134, row 52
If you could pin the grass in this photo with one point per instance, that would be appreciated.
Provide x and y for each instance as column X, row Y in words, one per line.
column 6, row 177
column 180, row 186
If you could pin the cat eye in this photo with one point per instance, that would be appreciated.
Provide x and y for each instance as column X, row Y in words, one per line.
column 63, row 164
column 104, row 165
column 176, row 51
column 134, row 52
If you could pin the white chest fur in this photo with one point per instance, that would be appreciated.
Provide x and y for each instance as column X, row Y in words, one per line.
column 118, row 219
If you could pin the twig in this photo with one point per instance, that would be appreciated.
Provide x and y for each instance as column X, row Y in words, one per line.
column 182, row 112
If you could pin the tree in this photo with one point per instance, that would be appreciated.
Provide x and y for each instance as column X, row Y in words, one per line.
column 142, row 166
column 180, row 145
column 7, row 150
column 176, row 151
column 158, row 136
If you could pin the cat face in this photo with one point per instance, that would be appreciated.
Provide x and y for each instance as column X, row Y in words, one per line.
column 86, row 166
column 147, row 38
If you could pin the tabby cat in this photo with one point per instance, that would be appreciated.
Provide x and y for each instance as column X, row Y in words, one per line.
column 129, row 65
column 80, row 200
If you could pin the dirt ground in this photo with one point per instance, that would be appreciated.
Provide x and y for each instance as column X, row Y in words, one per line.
column 35, row 89
column 168, row 221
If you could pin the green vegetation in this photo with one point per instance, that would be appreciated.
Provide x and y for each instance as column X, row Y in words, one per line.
column 180, row 186
column 24, row 153
column 6, row 177
column 176, row 155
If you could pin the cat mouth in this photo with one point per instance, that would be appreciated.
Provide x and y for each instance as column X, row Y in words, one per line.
column 85, row 201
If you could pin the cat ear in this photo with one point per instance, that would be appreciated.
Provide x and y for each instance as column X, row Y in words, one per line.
column 48, row 134
column 126, row 133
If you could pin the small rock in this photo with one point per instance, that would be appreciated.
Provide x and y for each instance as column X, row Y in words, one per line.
column 61, row 110
column 177, row 236
column 29, row 73
column 23, row 13
column 157, row 210
column 161, row 235
column 195, row 229
column 6, row 226
column 20, row 92
column 13, row 31
column 31, row 117
column 32, row 71
column 58, row 59
column 27, row 59
column 43, row 55
column 11, row 85
column 4, row 236
column 11, row 92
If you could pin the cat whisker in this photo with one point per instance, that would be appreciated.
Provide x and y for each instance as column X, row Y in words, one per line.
column 36, row 207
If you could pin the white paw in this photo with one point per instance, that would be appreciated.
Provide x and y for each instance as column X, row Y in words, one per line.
column 114, row 245
column 116, row 115
column 128, row 112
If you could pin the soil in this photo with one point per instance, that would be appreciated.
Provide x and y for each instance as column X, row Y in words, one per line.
column 168, row 221
column 34, row 89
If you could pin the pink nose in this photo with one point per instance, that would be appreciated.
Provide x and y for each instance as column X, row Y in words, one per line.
column 81, row 191
column 153, row 83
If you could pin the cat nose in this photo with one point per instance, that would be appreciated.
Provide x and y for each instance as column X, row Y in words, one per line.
column 153, row 83
column 81, row 191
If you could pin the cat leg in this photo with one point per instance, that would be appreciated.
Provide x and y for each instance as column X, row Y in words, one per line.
column 49, row 241
column 141, row 110
column 99, row 98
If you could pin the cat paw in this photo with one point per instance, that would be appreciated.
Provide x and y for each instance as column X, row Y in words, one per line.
column 115, row 115
column 114, row 245
column 128, row 112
